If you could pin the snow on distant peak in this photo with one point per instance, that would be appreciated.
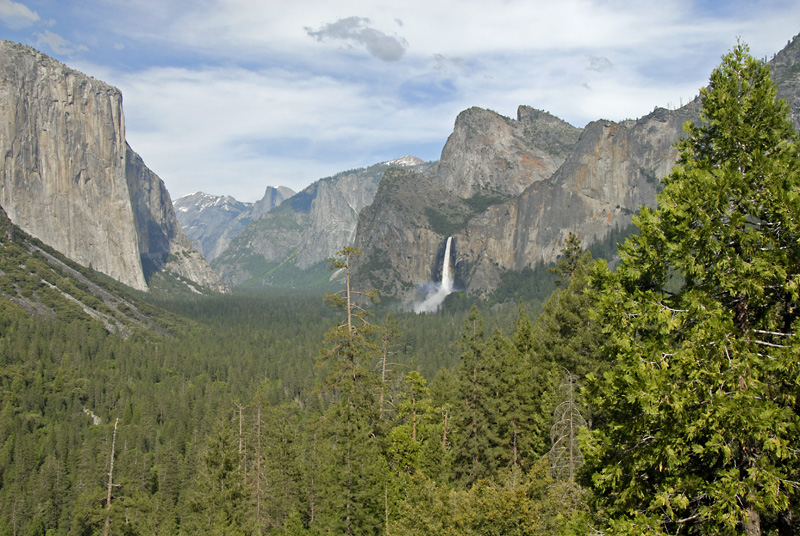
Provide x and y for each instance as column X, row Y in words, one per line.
column 407, row 161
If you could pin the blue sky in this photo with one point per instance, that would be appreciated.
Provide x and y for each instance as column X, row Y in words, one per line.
column 230, row 96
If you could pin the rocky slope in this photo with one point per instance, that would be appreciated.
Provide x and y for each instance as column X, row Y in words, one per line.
column 44, row 283
column 613, row 170
column 211, row 221
column 305, row 230
column 786, row 74
column 70, row 179
column 489, row 160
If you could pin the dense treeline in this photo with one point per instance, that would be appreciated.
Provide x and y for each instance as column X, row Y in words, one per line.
column 231, row 422
column 660, row 398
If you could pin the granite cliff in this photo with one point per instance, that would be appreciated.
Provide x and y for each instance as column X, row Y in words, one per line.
column 613, row 170
column 402, row 233
column 607, row 174
column 590, row 185
column 491, row 155
column 508, row 190
column 70, row 179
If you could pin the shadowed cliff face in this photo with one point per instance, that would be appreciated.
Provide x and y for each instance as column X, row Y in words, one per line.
column 612, row 171
column 403, row 232
column 509, row 191
column 70, row 179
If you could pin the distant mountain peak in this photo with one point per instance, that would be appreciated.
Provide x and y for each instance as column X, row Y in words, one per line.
column 405, row 161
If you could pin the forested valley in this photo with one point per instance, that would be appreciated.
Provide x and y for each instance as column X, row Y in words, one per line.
column 660, row 397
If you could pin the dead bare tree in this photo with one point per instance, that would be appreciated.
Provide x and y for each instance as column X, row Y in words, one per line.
column 110, row 480
column 565, row 455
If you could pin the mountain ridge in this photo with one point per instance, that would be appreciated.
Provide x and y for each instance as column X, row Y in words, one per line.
column 212, row 221
column 612, row 170
column 508, row 190
column 292, row 242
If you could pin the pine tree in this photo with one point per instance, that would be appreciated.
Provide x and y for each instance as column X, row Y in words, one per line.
column 219, row 503
column 514, row 426
column 565, row 334
column 696, row 425
column 568, row 260
column 356, row 473
column 473, row 413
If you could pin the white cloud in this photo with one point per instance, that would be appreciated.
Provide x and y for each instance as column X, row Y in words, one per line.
column 599, row 64
column 57, row 44
column 235, row 131
column 16, row 15
column 260, row 100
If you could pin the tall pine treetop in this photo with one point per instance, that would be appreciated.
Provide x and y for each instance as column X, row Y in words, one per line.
column 695, row 425
column 727, row 218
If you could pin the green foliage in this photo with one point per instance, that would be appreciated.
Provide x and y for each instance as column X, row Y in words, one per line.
column 566, row 334
column 568, row 260
column 226, row 425
column 480, row 202
column 695, row 422
column 515, row 503
column 217, row 503
column 530, row 285
column 449, row 219
column 446, row 220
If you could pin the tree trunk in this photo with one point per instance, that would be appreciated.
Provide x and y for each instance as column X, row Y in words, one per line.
column 752, row 525
column 110, row 480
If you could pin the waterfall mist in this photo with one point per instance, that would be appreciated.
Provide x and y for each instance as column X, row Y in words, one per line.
column 440, row 291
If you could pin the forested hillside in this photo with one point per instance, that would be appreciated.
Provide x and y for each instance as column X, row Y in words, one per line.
column 658, row 398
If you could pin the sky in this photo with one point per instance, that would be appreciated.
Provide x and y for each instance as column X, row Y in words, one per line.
column 231, row 96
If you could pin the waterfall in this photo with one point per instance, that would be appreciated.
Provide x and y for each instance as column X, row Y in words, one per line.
column 441, row 290
column 447, row 272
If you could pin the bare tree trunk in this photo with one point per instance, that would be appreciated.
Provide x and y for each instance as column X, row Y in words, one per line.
column 446, row 414
column 258, row 466
column 386, row 505
column 110, row 480
column 239, row 407
column 752, row 525
column 383, row 376
column 349, row 305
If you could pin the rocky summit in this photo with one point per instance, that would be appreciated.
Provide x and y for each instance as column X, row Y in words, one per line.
column 70, row 179
column 595, row 183
column 488, row 154
column 509, row 192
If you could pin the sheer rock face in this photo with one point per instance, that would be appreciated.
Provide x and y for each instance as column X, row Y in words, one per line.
column 613, row 170
column 69, row 178
column 785, row 70
column 162, row 243
column 308, row 228
column 402, row 246
column 488, row 154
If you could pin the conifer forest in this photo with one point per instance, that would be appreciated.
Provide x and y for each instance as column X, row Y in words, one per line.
column 656, row 394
